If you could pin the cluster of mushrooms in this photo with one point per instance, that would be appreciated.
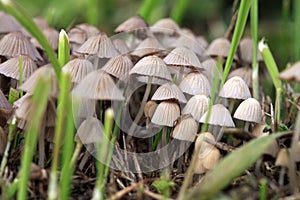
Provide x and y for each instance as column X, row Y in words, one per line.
column 176, row 66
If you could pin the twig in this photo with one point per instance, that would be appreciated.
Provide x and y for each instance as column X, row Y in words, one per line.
column 230, row 29
column 220, row 145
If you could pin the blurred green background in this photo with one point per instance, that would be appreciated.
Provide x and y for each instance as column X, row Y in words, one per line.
column 210, row 18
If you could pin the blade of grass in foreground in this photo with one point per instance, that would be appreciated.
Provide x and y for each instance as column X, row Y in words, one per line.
column 178, row 10
column 255, row 67
column 39, row 103
column 235, row 164
column 21, row 15
column 63, row 48
column 147, row 7
column 237, row 34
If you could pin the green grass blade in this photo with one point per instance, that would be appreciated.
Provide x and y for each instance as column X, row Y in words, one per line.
column 63, row 104
column 39, row 103
column 255, row 67
column 178, row 10
column 63, row 48
column 21, row 15
column 297, row 30
column 235, row 164
column 237, row 34
column 147, row 7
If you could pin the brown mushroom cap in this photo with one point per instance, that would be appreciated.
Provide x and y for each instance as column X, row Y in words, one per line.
column 118, row 66
column 78, row 69
column 8, row 23
column 165, row 26
column 235, row 88
column 150, row 108
column 10, row 68
column 149, row 46
column 292, row 73
column 98, row 85
column 245, row 73
column 185, row 129
column 166, row 113
column 219, row 116
column 135, row 25
column 246, row 50
column 151, row 66
column 15, row 44
column 196, row 106
column 168, row 91
column 219, row 47
column 195, row 83
column 249, row 110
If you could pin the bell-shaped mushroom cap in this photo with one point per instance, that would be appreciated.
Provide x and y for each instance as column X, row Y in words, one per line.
column 90, row 131
column 196, row 106
column 219, row 47
column 98, row 85
column 246, row 50
column 151, row 66
column 41, row 23
column 8, row 23
column 149, row 46
column 150, row 108
column 166, row 113
column 44, row 71
column 195, row 83
column 235, row 88
column 5, row 106
column 10, row 68
column 189, row 41
column 245, row 73
column 78, row 69
column 121, row 46
column 168, row 91
column 165, row 26
column 292, row 73
column 15, row 44
column 135, row 25
column 186, row 128
column 249, row 110
column 52, row 37
column 210, row 68
column 219, row 116
column 207, row 162
column 202, row 41
column 181, row 56
column 118, row 66
column 99, row 45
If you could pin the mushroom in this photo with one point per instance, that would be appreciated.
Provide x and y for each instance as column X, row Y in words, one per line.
column 292, row 73
column 121, row 46
column 51, row 35
column 219, row 47
column 149, row 111
column 235, row 88
column 149, row 46
column 210, row 68
column 245, row 73
column 196, row 106
column 246, row 51
column 249, row 111
column 8, row 23
column 168, row 91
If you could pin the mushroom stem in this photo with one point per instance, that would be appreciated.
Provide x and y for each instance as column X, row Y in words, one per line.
column 180, row 75
column 231, row 105
column 246, row 128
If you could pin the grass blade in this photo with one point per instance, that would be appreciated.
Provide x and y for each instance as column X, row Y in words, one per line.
column 255, row 67
column 39, row 103
column 297, row 30
column 63, row 48
column 147, row 7
column 178, row 10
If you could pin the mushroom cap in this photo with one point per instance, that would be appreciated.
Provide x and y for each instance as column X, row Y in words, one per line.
column 292, row 73
column 219, row 116
column 151, row 66
column 51, row 35
column 283, row 159
column 202, row 41
column 246, row 50
column 186, row 128
column 100, row 45
column 118, row 66
column 8, row 23
column 10, row 68
column 5, row 106
column 78, row 69
column 98, row 85
column 44, row 71
column 182, row 56
column 16, row 43
column 149, row 46
column 90, row 131
column 219, row 47
column 210, row 68
column 166, row 113
column 121, row 46
column 168, row 91
column 235, row 88
column 150, row 108
column 135, row 25
column 165, row 26
column 81, row 32
column 207, row 162
column 196, row 106
column 245, row 73
column 249, row 110
column 195, row 83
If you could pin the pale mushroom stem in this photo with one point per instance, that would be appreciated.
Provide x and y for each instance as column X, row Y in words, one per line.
column 246, row 127
column 141, row 110
column 180, row 75
column 231, row 105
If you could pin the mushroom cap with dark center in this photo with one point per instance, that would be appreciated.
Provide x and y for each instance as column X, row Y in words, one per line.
column 98, row 85
column 16, row 43
column 292, row 73
column 11, row 68
column 195, row 83
column 219, row 116
column 196, row 106
column 118, row 66
column 168, row 91
column 186, row 128
column 78, row 69
column 166, row 113
column 151, row 66
column 235, row 88
column 249, row 110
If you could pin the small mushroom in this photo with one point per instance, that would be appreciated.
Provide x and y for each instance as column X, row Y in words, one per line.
column 219, row 47
column 168, row 91
column 149, row 46
column 196, row 106
column 292, row 73
column 244, row 72
column 246, row 51
column 186, row 128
